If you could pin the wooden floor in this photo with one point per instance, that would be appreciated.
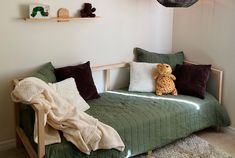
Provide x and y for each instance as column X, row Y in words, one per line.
column 223, row 140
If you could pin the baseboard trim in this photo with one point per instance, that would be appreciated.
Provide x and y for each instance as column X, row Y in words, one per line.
column 7, row 144
column 230, row 130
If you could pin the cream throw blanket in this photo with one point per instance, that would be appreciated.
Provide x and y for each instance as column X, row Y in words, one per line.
column 83, row 130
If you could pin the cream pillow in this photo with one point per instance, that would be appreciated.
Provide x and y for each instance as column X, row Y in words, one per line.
column 68, row 90
column 142, row 77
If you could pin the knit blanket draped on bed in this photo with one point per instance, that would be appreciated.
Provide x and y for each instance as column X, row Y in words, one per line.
column 84, row 131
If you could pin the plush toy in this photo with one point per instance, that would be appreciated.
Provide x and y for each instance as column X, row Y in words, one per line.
column 164, row 80
column 88, row 10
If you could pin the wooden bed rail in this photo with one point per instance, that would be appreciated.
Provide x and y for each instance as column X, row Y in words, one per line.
column 110, row 66
column 21, row 138
column 214, row 85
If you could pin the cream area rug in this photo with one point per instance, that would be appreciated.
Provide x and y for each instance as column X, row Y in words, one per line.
column 190, row 147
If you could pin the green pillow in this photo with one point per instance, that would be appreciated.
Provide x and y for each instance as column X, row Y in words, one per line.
column 142, row 55
column 46, row 73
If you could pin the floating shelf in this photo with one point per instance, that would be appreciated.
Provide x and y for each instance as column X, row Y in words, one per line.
column 56, row 19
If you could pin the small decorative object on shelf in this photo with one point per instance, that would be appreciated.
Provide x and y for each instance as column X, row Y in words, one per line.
column 88, row 10
column 39, row 11
column 63, row 13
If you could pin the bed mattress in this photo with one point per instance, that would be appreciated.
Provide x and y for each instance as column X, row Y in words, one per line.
column 146, row 121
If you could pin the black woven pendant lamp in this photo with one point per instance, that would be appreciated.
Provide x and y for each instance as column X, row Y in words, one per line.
column 177, row 3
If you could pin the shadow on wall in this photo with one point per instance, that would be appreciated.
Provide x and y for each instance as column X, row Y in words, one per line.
column 24, row 10
column 120, row 78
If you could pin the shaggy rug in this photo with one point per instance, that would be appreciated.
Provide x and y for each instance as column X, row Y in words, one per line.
column 190, row 147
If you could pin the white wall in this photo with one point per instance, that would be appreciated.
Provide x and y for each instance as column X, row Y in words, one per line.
column 124, row 25
column 206, row 33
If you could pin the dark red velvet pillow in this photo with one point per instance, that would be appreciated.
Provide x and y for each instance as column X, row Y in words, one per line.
column 192, row 79
column 83, row 78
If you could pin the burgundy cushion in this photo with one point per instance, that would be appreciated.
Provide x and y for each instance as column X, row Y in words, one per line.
column 192, row 79
column 83, row 78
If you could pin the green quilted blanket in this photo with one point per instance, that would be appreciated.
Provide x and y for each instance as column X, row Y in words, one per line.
column 146, row 121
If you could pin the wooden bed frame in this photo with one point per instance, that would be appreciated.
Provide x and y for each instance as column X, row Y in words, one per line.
column 214, row 87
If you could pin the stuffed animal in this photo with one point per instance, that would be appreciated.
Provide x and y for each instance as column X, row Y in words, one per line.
column 88, row 10
column 164, row 80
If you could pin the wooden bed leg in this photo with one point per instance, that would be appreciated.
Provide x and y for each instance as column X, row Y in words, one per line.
column 19, row 143
column 41, row 133
column 149, row 155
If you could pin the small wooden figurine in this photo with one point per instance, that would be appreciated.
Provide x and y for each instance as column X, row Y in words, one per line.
column 63, row 13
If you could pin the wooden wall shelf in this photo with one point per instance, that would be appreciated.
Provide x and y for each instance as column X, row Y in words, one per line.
column 56, row 19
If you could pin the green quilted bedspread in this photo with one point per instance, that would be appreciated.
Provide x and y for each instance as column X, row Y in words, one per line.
column 145, row 121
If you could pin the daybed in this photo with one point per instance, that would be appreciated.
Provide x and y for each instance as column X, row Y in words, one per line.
column 143, row 120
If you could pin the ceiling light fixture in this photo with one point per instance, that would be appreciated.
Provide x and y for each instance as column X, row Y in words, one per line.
column 177, row 3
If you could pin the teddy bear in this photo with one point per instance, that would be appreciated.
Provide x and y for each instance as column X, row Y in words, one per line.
column 165, row 80
column 88, row 10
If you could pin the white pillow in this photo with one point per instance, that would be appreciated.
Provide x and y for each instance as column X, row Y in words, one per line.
column 68, row 90
column 142, row 77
